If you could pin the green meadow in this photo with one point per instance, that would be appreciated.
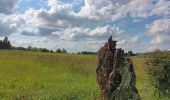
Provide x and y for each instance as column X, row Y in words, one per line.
column 36, row 75
column 51, row 76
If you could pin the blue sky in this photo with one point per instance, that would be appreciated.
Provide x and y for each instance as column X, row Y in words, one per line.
column 80, row 25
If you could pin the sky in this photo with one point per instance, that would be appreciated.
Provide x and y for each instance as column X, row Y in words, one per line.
column 85, row 25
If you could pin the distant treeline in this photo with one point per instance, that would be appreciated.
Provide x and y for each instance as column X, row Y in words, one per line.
column 130, row 53
column 150, row 54
column 38, row 49
column 87, row 53
column 5, row 44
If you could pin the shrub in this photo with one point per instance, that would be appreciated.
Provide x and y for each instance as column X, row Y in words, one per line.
column 58, row 51
column 64, row 50
column 159, row 71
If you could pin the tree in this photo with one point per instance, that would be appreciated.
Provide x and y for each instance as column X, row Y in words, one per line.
column 1, row 44
column 29, row 48
column 130, row 53
column 5, row 44
column 51, row 51
column 88, row 53
column 64, row 50
column 44, row 50
column 58, row 51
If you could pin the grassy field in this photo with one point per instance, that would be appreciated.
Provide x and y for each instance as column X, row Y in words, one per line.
column 52, row 76
column 142, row 79
column 35, row 75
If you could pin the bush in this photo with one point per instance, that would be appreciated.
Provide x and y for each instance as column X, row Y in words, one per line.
column 64, row 50
column 159, row 71
column 58, row 51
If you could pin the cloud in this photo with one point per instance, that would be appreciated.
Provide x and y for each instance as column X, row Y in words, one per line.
column 101, row 33
column 127, row 41
column 97, row 10
column 5, row 29
column 142, row 9
column 8, row 6
column 60, row 16
column 162, row 7
column 161, row 26
column 160, row 30
column 34, row 41
column 7, row 25
column 135, row 39
column 88, row 24
column 117, row 9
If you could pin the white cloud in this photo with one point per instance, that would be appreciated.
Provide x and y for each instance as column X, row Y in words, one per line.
column 97, row 33
column 135, row 39
column 117, row 9
column 61, row 16
column 89, row 26
column 161, row 26
column 127, row 41
column 162, row 7
column 52, row 3
column 143, row 9
column 8, row 24
column 157, row 40
column 160, row 30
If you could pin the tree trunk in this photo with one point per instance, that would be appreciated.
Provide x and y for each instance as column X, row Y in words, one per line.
column 115, row 74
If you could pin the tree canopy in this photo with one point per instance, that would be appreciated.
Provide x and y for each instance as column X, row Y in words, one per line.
column 5, row 44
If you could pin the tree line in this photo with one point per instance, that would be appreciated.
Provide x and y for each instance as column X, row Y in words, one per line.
column 5, row 44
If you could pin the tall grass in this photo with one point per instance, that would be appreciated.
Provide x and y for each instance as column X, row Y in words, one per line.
column 52, row 76
column 35, row 75
column 142, row 79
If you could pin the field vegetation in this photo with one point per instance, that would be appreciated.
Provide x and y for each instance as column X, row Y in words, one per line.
column 37, row 75
column 28, row 75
